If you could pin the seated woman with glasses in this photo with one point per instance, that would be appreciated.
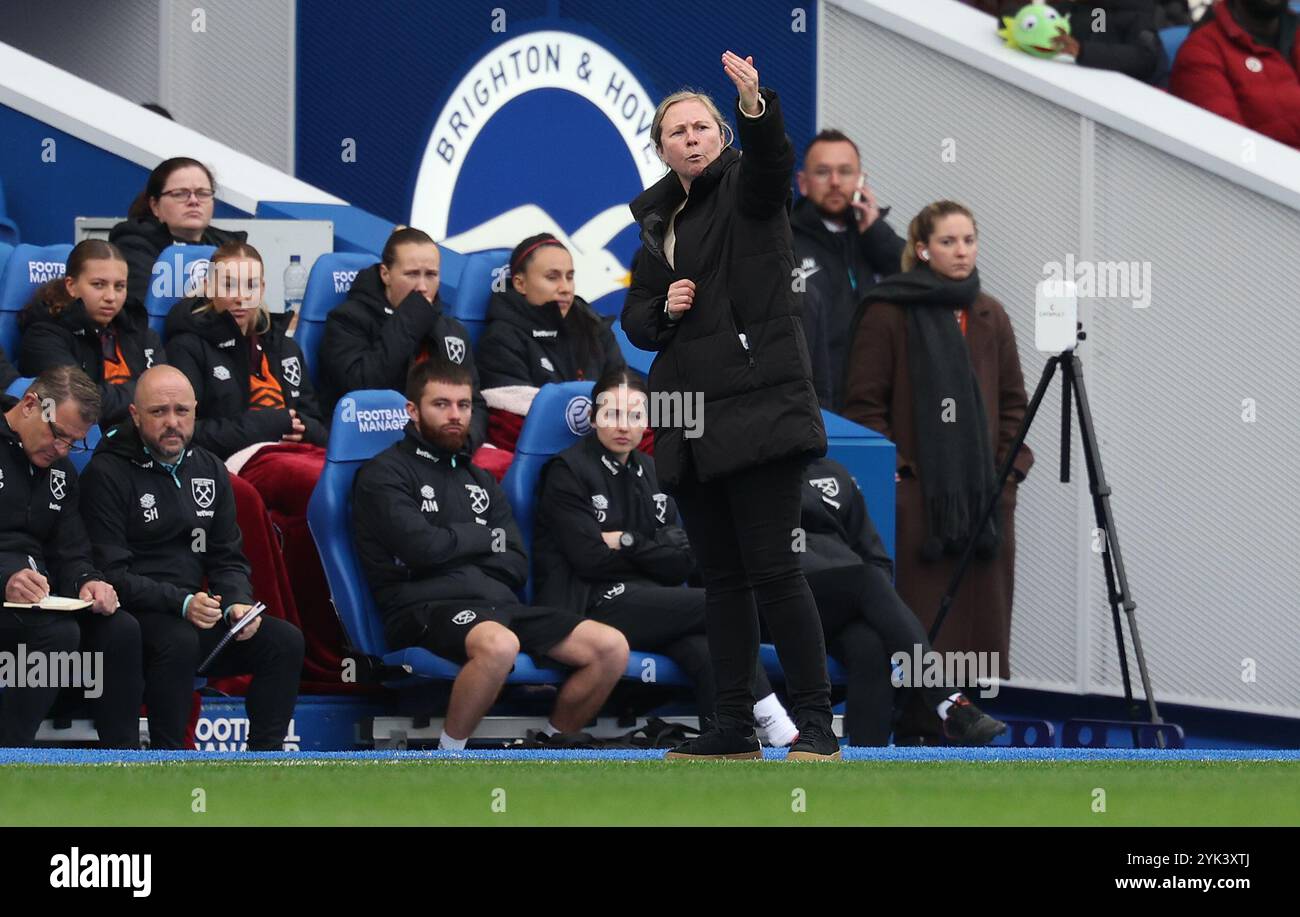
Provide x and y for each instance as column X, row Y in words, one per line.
column 85, row 319
column 175, row 208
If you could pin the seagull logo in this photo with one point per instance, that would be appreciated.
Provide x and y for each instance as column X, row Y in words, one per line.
column 584, row 207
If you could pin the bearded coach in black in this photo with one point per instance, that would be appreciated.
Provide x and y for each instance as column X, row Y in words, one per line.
column 443, row 556
column 161, row 518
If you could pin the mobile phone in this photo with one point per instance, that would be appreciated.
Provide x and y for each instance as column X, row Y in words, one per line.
column 862, row 183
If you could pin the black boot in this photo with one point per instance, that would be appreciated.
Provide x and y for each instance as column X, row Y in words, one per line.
column 719, row 745
column 816, row 742
column 969, row 725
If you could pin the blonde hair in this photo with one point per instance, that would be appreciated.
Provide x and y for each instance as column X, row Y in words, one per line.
column 689, row 95
column 922, row 227
column 235, row 251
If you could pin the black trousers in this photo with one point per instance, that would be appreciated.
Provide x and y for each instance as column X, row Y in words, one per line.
column 742, row 529
column 866, row 623
column 173, row 650
column 671, row 621
column 116, row 710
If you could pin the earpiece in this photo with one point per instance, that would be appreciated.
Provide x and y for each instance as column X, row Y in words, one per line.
column 925, row 254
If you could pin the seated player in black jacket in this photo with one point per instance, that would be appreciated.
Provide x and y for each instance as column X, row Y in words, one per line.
column 864, row 620
column 609, row 545
column 161, row 518
column 43, row 551
column 393, row 318
column 443, row 557
column 86, row 319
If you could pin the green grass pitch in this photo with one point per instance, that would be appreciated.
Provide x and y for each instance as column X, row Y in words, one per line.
column 653, row 793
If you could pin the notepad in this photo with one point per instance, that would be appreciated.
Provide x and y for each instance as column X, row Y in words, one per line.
column 52, row 603
column 235, row 628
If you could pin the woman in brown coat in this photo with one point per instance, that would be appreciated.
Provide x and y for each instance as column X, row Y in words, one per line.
column 930, row 354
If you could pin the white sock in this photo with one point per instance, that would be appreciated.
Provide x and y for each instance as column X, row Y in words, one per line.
column 551, row 729
column 449, row 744
column 774, row 721
column 944, row 707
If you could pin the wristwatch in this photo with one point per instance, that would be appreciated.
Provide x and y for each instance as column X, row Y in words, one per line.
column 627, row 539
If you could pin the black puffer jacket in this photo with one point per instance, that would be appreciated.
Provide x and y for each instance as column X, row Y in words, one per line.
column 369, row 344
column 142, row 241
column 73, row 338
column 585, row 491
column 733, row 241
column 216, row 357
column 532, row 345
column 8, row 373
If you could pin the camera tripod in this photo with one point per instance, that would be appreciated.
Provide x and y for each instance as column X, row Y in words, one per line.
column 1112, row 561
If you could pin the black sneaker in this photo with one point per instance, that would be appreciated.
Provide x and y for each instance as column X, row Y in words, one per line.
column 814, row 743
column 969, row 725
column 717, row 745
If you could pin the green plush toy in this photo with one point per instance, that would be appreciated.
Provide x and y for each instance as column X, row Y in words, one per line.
column 1033, row 29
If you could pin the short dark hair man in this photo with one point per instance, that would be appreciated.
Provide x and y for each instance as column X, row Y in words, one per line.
column 840, row 246
column 443, row 556
column 161, row 517
column 43, row 551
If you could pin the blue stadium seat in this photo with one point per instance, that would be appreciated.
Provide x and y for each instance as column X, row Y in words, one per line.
column 558, row 418
column 327, row 286
column 365, row 423
column 9, row 235
column 186, row 261
column 466, row 286
column 637, row 358
column 18, row 387
column 28, row 267
column 1172, row 38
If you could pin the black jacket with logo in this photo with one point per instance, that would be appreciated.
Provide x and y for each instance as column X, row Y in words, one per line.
column 532, row 345
column 425, row 524
column 159, row 534
column 142, row 241
column 39, row 521
column 369, row 344
column 73, row 338
column 216, row 357
column 834, row 518
column 835, row 268
column 733, row 241
column 585, row 491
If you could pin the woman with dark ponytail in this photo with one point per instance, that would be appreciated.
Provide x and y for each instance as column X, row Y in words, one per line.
column 538, row 331
column 86, row 319
column 609, row 546
column 934, row 366
column 175, row 208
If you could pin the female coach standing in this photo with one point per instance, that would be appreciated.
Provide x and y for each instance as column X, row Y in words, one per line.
column 712, row 292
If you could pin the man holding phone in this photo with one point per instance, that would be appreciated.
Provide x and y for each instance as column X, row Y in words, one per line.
column 841, row 243
column 161, row 519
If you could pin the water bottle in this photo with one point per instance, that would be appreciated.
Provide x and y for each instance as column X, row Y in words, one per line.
column 295, row 284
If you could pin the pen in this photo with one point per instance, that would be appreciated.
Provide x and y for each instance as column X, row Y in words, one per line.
column 32, row 563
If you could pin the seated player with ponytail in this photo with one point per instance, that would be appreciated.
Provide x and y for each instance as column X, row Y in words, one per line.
column 538, row 331
column 86, row 319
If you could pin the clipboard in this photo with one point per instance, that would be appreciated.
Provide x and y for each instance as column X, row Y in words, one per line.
column 253, row 613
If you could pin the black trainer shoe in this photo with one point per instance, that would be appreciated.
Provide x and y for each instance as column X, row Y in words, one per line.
column 969, row 725
column 814, row 743
column 717, row 745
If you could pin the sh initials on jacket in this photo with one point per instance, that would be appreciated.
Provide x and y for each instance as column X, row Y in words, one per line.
column 148, row 503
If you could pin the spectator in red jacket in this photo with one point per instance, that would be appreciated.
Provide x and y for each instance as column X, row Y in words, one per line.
column 1242, row 63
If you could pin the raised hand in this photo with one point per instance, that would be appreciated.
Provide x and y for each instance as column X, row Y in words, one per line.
column 740, row 70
